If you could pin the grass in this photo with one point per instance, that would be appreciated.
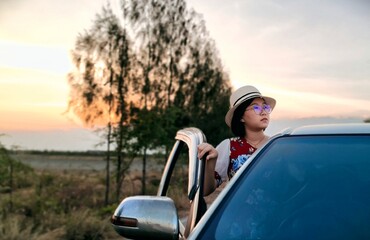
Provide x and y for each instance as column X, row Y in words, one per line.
column 60, row 204
column 69, row 204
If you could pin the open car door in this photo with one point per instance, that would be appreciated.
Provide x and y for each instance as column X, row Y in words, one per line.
column 155, row 217
column 191, row 137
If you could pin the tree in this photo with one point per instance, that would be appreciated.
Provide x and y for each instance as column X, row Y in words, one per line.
column 101, row 82
column 206, row 92
column 169, row 78
column 12, row 173
column 6, row 174
column 183, row 80
column 180, row 62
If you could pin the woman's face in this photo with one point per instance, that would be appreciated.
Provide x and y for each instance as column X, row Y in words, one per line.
column 254, row 121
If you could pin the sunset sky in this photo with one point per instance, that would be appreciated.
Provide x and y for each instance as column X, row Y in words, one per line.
column 312, row 56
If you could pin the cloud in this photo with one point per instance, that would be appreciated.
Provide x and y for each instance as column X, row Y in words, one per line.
column 316, row 47
column 47, row 22
column 36, row 57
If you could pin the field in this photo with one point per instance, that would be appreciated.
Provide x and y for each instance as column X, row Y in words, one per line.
column 61, row 196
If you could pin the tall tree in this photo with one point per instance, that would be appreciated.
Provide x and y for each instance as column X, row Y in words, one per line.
column 12, row 174
column 101, row 81
column 183, row 80
column 169, row 78
column 209, row 87
column 185, row 76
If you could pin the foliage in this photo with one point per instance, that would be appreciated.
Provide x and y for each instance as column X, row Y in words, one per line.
column 82, row 225
column 13, row 174
column 101, row 81
column 143, row 91
column 181, row 75
column 16, row 227
column 171, row 75
column 367, row 120
column 66, row 204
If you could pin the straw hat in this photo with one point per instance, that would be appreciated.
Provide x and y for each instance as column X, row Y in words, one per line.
column 243, row 94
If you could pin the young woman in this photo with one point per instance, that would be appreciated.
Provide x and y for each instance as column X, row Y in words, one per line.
column 248, row 117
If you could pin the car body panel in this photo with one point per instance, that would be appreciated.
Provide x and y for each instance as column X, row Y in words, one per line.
column 324, row 129
column 356, row 217
column 309, row 142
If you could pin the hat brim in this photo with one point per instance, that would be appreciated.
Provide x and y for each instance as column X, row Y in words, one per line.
column 229, row 115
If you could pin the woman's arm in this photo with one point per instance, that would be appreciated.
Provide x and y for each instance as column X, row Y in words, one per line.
column 209, row 174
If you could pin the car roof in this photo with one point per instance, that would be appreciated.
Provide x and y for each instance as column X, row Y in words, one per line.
column 325, row 129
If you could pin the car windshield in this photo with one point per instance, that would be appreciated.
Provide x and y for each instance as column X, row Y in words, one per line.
column 302, row 187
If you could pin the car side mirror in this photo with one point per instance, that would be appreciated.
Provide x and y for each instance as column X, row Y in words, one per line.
column 146, row 217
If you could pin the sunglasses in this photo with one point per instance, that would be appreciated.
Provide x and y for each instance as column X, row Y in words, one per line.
column 258, row 109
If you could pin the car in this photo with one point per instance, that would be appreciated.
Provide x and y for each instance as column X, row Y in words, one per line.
column 311, row 182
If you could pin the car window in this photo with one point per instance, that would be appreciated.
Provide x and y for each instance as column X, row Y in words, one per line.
column 303, row 187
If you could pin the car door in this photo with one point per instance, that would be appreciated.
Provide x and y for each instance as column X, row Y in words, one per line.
column 156, row 217
column 188, row 138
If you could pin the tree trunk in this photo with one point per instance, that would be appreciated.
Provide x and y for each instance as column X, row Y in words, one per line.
column 11, row 185
column 143, row 179
column 107, row 177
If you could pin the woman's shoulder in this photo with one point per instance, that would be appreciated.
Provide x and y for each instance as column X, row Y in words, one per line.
column 224, row 144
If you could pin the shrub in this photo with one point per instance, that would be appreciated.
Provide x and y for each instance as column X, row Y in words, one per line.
column 13, row 174
column 15, row 227
column 82, row 225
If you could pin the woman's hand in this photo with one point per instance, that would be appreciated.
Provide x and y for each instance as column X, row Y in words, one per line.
column 206, row 148
column 209, row 174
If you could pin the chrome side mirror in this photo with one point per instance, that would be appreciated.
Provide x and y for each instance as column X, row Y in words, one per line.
column 146, row 217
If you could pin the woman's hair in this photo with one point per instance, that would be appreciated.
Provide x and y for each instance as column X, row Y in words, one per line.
column 237, row 127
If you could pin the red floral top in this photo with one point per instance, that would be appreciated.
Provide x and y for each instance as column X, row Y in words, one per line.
column 240, row 151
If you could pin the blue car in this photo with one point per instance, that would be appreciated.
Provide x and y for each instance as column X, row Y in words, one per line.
column 311, row 182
